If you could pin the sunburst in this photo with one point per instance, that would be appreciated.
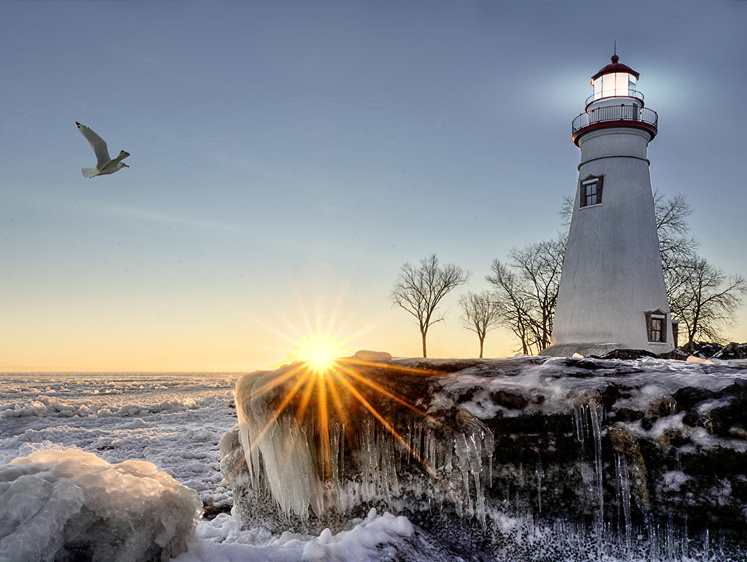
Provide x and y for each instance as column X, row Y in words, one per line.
column 325, row 376
column 323, row 384
column 319, row 351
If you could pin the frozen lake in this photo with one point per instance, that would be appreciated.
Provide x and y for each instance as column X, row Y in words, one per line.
column 174, row 421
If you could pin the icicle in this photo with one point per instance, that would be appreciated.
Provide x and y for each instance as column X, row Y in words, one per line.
column 580, row 416
column 540, row 474
column 669, row 539
column 653, row 537
column 706, row 543
column 595, row 413
column 463, row 453
column 488, row 441
column 623, row 480
column 448, row 460
column 432, row 448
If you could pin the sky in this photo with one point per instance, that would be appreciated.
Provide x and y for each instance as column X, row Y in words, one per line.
column 288, row 157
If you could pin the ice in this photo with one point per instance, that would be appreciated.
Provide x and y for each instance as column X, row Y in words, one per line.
column 223, row 539
column 595, row 414
column 286, row 453
column 602, row 437
column 300, row 466
column 623, row 483
column 70, row 504
column 179, row 421
column 175, row 422
column 694, row 359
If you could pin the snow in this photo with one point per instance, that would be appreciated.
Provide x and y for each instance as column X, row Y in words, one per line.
column 222, row 540
column 561, row 384
column 170, row 425
column 66, row 503
column 174, row 421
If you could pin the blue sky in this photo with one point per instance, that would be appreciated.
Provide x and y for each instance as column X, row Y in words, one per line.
column 289, row 157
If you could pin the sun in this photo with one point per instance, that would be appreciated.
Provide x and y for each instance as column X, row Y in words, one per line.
column 319, row 351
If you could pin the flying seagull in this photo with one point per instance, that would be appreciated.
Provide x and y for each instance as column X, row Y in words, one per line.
column 104, row 164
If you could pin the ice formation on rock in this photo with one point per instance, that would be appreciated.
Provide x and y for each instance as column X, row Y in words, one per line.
column 333, row 469
column 504, row 458
column 72, row 505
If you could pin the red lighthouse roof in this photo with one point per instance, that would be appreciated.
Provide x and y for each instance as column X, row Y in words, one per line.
column 615, row 66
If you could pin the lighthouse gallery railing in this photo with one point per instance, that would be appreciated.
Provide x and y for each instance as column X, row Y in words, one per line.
column 628, row 114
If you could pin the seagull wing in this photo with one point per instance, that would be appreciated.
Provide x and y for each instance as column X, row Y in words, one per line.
column 118, row 159
column 97, row 143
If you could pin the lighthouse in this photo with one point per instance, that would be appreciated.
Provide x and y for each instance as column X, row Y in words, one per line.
column 612, row 293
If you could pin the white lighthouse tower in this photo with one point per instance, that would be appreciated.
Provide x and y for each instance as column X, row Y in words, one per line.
column 612, row 293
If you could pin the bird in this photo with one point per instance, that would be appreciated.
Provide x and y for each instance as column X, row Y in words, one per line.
column 104, row 163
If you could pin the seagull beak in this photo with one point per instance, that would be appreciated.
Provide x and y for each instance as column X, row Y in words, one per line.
column 125, row 165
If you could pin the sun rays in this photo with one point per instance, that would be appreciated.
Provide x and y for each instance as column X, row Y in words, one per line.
column 331, row 399
column 319, row 351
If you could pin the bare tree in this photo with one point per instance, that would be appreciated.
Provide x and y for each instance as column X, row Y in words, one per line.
column 700, row 295
column 704, row 299
column 420, row 289
column 480, row 314
column 527, row 291
column 513, row 305
column 675, row 246
column 566, row 210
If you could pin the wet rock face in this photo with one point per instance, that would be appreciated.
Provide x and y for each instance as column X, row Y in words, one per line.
column 610, row 444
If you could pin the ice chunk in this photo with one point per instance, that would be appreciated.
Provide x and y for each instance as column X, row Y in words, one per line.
column 65, row 504
column 372, row 356
column 695, row 359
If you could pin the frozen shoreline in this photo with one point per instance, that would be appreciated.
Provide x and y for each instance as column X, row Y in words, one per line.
column 175, row 421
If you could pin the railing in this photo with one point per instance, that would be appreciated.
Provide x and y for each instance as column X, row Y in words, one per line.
column 612, row 93
column 624, row 115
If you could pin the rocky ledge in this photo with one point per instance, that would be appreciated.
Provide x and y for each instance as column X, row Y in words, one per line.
column 646, row 456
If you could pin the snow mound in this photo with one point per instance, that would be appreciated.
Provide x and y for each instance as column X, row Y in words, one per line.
column 369, row 540
column 72, row 505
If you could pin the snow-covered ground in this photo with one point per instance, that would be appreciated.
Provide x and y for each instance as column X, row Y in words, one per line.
column 174, row 421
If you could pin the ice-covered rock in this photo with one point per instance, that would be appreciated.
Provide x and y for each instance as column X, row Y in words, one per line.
column 634, row 453
column 372, row 356
column 72, row 505
column 711, row 350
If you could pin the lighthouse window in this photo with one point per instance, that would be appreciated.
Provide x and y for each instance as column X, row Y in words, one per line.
column 590, row 197
column 657, row 331
column 615, row 84
column 631, row 85
column 591, row 191
column 622, row 84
